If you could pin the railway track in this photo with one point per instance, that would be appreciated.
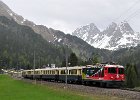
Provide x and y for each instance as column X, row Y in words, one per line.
column 124, row 93
column 129, row 89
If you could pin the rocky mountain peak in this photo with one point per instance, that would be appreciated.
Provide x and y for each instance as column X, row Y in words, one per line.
column 115, row 36
column 112, row 25
column 4, row 9
column 110, row 29
column 40, row 29
column 87, row 31
column 126, row 28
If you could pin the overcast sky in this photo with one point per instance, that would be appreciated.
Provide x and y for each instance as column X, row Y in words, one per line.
column 67, row 15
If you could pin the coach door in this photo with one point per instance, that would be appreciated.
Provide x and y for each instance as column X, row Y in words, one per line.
column 56, row 75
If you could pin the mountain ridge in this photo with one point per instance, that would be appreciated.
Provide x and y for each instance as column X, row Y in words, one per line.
column 114, row 37
column 18, row 44
column 82, row 49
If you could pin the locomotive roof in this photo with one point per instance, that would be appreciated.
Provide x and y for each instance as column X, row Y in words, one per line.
column 119, row 66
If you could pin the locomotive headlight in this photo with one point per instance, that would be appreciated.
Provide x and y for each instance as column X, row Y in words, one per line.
column 111, row 77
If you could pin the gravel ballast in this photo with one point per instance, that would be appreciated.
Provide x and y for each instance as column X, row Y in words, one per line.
column 125, row 94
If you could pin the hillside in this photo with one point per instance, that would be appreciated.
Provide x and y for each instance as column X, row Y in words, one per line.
column 128, row 55
column 82, row 49
column 19, row 42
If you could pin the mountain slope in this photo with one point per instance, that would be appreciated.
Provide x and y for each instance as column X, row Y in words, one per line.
column 82, row 49
column 19, row 42
column 128, row 55
column 113, row 37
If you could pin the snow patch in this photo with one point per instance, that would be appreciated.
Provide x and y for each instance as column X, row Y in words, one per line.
column 59, row 40
column 11, row 14
column 24, row 20
column 85, row 36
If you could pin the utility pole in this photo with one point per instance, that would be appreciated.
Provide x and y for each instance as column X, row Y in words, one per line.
column 66, row 66
column 34, row 68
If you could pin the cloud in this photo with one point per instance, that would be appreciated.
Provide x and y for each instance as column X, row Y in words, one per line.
column 68, row 15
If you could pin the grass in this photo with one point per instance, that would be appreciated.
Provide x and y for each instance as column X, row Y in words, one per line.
column 11, row 89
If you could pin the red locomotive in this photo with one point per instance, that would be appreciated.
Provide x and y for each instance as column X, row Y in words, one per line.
column 104, row 74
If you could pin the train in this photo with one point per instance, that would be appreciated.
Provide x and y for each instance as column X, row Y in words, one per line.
column 103, row 75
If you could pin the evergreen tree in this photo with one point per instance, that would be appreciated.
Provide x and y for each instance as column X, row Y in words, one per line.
column 131, row 76
column 73, row 60
column 95, row 59
column 63, row 63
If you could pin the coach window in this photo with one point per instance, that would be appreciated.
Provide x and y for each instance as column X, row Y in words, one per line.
column 69, row 72
column 48, row 72
column 53, row 72
column 45, row 72
column 57, row 72
column 62, row 71
column 42, row 72
column 74, row 71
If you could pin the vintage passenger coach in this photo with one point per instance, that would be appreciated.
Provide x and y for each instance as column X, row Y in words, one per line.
column 101, row 74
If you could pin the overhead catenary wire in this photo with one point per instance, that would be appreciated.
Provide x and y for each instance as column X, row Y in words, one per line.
column 133, row 15
column 126, row 11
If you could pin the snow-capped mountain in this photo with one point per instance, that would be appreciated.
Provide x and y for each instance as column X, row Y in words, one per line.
column 113, row 37
column 55, row 37
column 86, row 32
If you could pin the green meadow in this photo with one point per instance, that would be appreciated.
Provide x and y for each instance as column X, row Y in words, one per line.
column 11, row 89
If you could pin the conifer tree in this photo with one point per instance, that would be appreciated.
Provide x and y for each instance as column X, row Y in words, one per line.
column 131, row 76
column 73, row 60
column 95, row 59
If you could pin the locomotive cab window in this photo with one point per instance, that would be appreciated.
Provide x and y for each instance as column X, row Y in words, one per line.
column 121, row 70
column 112, row 70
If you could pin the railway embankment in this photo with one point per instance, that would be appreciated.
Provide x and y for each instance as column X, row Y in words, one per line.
column 92, row 90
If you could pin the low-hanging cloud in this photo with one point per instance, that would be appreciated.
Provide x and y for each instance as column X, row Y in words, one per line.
column 68, row 15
